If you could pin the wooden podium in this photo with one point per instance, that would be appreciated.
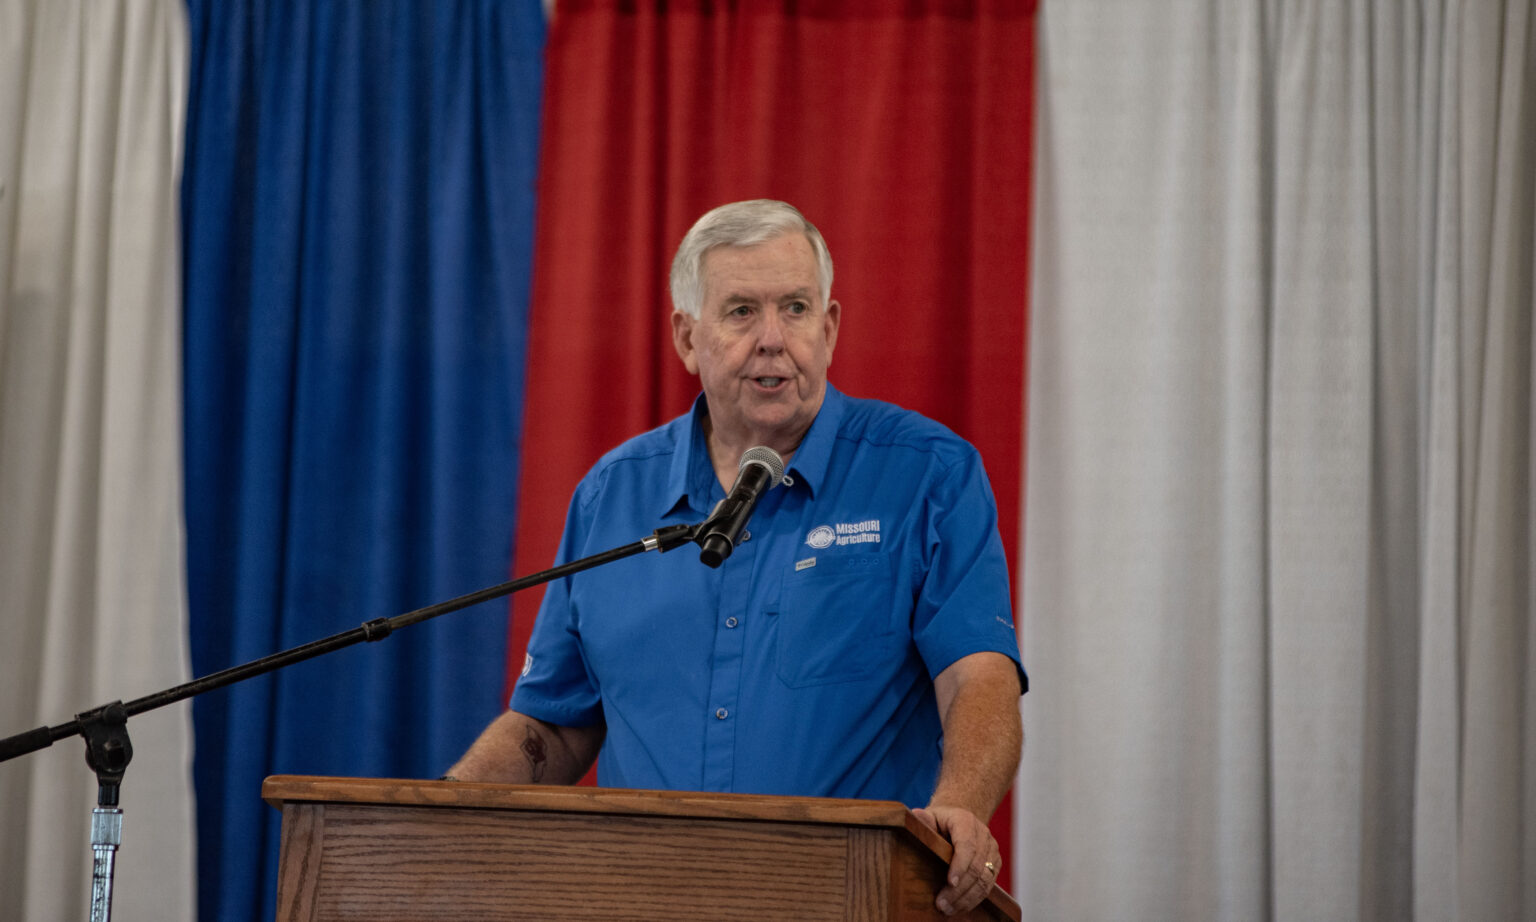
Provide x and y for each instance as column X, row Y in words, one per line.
column 381, row 850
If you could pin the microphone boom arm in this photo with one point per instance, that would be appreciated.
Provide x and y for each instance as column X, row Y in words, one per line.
column 663, row 539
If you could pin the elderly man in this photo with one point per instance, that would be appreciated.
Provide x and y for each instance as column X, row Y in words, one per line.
column 858, row 642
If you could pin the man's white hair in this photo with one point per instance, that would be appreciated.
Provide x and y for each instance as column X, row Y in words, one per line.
column 741, row 224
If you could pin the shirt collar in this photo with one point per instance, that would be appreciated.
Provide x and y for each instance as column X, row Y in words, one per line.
column 810, row 461
column 691, row 479
column 691, row 476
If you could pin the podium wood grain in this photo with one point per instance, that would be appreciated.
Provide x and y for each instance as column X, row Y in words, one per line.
column 380, row 849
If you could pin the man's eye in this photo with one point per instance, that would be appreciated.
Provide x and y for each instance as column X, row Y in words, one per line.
column 798, row 307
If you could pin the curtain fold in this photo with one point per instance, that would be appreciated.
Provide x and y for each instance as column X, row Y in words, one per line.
column 903, row 133
column 92, row 600
column 1279, row 533
column 357, row 211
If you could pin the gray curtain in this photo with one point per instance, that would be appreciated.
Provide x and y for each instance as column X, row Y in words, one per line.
column 1277, row 597
column 92, row 598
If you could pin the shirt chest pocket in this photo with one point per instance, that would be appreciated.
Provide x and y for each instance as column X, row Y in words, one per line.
column 835, row 620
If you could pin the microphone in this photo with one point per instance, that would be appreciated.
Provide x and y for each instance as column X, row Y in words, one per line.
column 761, row 470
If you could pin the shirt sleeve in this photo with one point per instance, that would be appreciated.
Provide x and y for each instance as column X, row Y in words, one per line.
column 555, row 685
column 964, row 603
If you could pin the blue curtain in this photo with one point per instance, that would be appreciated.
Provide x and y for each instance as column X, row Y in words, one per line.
column 357, row 223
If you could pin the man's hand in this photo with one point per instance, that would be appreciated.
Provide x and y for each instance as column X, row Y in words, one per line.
column 970, row 880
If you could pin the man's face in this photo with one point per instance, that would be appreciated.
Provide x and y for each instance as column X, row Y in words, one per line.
column 762, row 343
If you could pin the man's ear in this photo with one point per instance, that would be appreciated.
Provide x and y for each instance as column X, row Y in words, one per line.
column 833, row 318
column 682, row 341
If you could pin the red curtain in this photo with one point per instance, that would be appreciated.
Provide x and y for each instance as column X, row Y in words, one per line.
column 901, row 129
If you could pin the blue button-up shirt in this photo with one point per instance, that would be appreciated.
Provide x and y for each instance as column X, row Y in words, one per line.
column 804, row 664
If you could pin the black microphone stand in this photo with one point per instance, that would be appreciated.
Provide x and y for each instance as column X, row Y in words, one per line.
column 105, row 729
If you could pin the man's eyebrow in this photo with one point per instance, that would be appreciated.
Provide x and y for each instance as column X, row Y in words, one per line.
column 737, row 297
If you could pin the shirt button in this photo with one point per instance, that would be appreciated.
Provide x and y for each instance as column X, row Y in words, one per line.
column 731, row 622
column 746, row 535
column 722, row 713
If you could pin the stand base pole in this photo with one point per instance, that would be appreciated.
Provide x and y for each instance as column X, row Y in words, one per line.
column 106, row 836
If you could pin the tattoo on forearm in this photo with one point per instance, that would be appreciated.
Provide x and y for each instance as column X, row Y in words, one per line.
column 536, row 752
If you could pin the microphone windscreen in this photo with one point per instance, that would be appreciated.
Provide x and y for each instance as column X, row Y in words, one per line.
column 768, row 458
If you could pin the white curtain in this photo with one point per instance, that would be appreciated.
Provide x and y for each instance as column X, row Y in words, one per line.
column 1277, row 593
column 92, row 598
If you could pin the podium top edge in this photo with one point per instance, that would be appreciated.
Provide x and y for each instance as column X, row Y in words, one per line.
column 279, row 789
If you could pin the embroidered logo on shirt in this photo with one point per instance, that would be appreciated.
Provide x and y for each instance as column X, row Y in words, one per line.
column 527, row 663
column 865, row 532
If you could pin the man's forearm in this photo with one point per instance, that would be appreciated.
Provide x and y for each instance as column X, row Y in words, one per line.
column 978, row 698
column 518, row 749
column 983, row 735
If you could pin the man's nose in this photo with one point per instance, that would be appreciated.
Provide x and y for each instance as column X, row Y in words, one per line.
column 770, row 333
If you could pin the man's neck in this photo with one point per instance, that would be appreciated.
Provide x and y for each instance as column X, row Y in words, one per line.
column 725, row 455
